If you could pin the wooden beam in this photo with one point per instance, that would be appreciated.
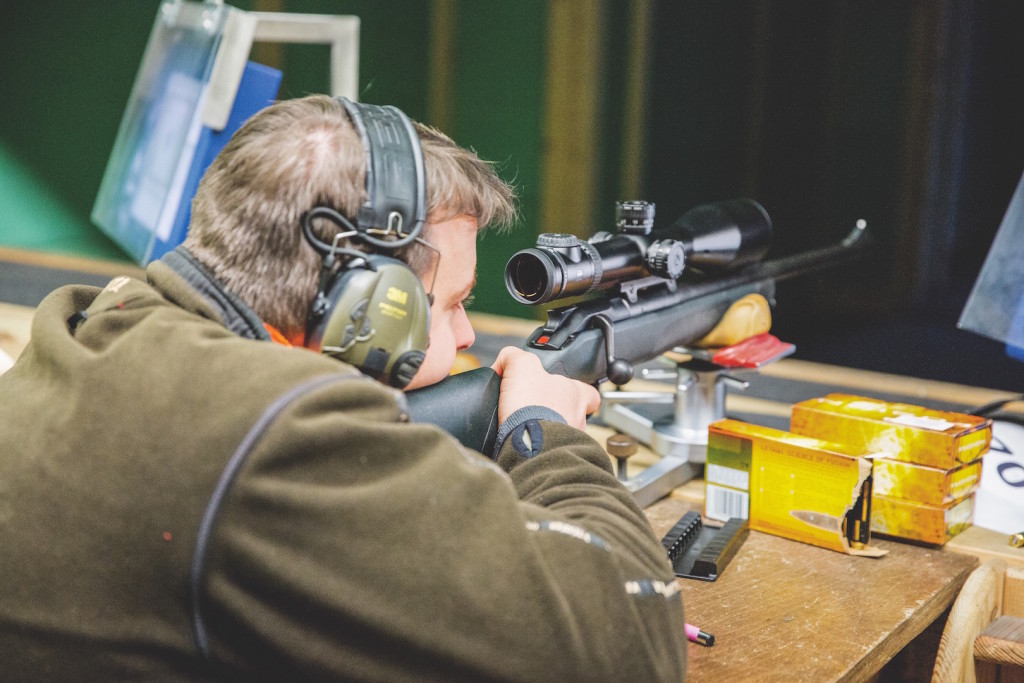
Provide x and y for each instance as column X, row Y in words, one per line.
column 64, row 262
column 268, row 54
column 441, row 90
column 571, row 117
column 635, row 98
column 1002, row 642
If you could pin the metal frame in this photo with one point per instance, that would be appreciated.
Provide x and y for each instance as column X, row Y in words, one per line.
column 243, row 28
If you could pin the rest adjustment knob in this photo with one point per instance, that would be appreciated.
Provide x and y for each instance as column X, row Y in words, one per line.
column 621, row 447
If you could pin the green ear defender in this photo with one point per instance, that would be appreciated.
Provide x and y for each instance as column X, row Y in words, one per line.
column 377, row 320
column 374, row 313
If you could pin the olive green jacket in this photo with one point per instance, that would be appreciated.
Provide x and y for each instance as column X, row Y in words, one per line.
column 181, row 499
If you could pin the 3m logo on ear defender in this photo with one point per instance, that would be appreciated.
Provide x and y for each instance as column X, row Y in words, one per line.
column 397, row 295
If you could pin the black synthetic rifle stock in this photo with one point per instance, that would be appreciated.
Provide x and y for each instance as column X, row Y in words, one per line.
column 637, row 322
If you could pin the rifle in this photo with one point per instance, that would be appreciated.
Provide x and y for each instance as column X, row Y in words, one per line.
column 660, row 289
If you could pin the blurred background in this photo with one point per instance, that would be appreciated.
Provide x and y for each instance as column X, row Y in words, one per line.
column 899, row 113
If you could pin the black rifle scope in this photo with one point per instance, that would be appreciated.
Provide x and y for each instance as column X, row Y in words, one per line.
column 711, row 237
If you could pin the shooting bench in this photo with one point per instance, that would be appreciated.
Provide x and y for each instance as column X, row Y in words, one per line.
column 784, row 610
column 787, row 611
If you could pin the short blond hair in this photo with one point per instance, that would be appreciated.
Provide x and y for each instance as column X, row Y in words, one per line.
column 297, row 154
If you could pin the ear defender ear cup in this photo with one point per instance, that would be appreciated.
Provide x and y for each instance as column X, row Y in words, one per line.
column 377, row 319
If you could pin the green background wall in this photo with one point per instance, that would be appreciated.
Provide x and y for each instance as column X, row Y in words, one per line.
column 69, row 69
column 900, row 113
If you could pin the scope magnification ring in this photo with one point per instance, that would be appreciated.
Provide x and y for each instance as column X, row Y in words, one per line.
column 595, row 260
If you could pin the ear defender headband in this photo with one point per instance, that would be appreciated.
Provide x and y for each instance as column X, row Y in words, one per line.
column 395, row 179
column 374, row 313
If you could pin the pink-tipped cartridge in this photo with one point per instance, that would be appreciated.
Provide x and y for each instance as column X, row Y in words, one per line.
column 695, row 635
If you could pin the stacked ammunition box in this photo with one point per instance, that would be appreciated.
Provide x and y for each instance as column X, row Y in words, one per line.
column 805, row 489
column 924, row 483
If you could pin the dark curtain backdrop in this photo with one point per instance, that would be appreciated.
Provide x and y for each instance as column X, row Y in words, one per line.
column 900, row 113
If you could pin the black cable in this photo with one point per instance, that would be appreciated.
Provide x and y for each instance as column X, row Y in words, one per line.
column 988, row 409
column 333, row 216
column 992, row 410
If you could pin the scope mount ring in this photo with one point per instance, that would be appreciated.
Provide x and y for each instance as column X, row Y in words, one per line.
column 631, row 290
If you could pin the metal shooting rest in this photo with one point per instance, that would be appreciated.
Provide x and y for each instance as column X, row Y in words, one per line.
column 674, row 425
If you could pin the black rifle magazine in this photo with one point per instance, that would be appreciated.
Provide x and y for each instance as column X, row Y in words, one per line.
column 700, row 552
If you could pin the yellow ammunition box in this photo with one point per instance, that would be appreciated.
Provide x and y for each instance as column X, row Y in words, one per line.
column 924, row 484
column 901, row 431
column 793, row 486
column 932, row 524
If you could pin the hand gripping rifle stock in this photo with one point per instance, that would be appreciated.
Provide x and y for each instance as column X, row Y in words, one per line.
column 642, row 320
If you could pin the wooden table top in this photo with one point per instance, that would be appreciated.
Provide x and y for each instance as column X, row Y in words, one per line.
column 788, row 611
